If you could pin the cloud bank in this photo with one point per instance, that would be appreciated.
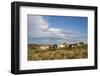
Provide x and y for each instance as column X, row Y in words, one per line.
column 39, row 31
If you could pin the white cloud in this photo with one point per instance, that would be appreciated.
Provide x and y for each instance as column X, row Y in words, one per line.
column 54, row 30
column 38, row 27
column 37, row 22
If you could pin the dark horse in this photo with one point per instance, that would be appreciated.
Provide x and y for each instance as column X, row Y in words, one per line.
column 53, row 47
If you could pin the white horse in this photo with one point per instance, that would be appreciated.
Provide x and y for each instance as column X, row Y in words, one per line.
column 44, row 47
column 61, row 46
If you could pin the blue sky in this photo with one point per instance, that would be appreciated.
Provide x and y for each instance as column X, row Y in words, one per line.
column 57, row 29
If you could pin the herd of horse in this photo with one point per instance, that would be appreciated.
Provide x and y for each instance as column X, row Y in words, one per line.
column 60, row 46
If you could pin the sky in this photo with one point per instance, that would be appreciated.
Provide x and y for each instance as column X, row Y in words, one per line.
column 57, row 29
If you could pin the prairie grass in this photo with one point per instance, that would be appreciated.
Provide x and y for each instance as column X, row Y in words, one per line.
column 64, row 53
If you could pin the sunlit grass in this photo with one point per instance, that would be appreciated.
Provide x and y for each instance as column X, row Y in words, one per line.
column 64, row 53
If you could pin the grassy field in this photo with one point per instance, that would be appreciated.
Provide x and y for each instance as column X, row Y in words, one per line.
column 65, row 53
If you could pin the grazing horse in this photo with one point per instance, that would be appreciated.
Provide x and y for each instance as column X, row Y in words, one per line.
column 72, row 46
column 44, row 47
column 61, row 46
column 53, row 47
